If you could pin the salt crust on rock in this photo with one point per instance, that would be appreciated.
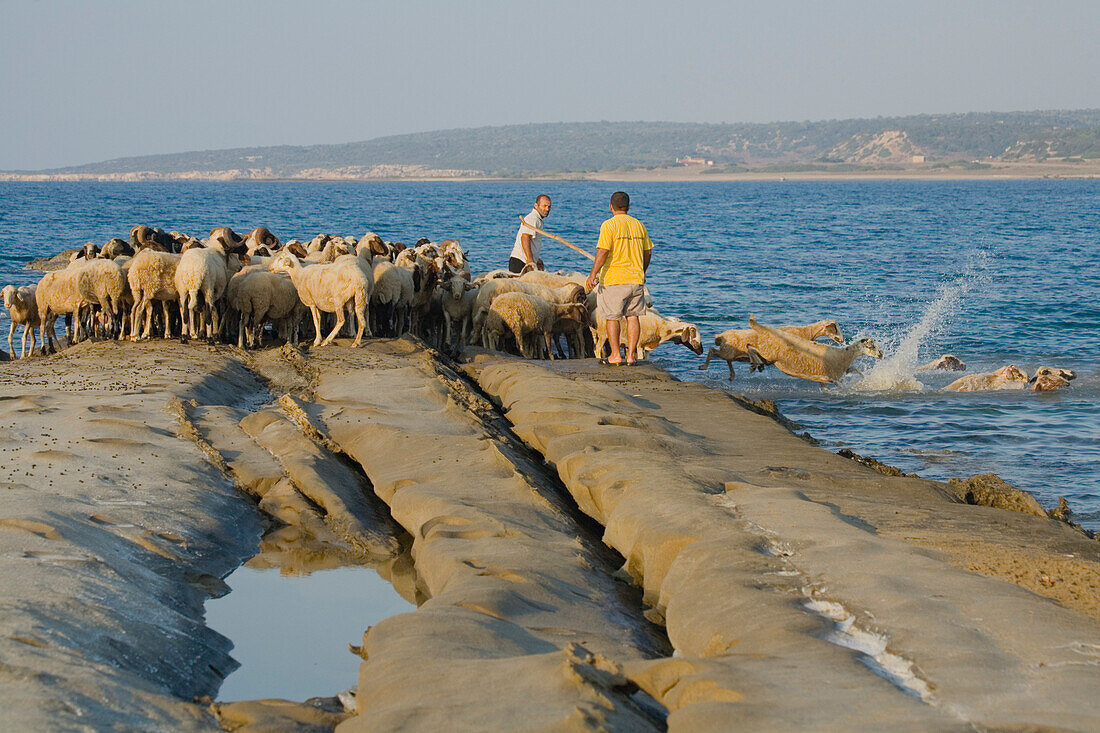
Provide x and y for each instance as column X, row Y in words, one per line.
column 731, row 564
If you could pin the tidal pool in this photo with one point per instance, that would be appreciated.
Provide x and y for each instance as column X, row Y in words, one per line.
column 290, row 633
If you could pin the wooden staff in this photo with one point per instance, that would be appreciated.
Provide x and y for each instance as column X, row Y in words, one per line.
column 555, row 236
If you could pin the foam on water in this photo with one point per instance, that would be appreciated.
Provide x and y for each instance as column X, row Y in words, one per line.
column 896, row 372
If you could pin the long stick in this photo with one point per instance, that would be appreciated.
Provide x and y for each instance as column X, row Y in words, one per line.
column 555, row 236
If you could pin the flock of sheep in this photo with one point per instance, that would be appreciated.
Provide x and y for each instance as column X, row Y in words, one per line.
column 231, row 287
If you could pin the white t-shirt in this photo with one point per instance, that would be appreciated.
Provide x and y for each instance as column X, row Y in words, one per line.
column 535, row 220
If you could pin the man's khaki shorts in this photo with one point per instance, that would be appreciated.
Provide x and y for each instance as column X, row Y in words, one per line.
column 615, row 302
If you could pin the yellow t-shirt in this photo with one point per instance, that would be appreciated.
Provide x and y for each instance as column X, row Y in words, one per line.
column 626, row 239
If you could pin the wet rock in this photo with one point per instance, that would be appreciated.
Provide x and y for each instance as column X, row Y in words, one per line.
column 883, row 468
column 989, row 489
column 49, row 264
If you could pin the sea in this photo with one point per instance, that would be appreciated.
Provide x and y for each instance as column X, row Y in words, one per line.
column 994, row 272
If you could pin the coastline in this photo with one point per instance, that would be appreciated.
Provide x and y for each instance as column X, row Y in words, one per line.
column 994, row 170
column 647, row 551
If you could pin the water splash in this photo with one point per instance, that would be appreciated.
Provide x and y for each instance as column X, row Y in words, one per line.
column 897, row 371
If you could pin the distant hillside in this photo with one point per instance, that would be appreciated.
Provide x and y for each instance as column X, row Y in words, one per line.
column 590, row 146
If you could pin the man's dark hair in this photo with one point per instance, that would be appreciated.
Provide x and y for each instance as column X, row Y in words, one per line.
column 620, row 201
column 540, row 197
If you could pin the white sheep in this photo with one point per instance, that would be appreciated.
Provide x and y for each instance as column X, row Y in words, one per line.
column 1007, row 377
column 552, row 280
column 364, row 260
column 527, row 317
column 653, row 330
column 392, row 297
column 425, row 277
column 249, row 302
column 23, row 310
column 805, row 359
column 492, row 289
column 204, row 272
column 286, row 310
column 329, row 288
column 458, row 297
column 260, row 296
column 101, row 283
column 151, row 277
column 733, row 345
column 56, row 294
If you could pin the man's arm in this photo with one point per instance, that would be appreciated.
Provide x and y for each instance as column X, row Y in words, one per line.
column 645, row 259
column 601, row 257
column 525, row 243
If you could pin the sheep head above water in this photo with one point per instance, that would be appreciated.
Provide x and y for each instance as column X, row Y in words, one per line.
column 1047, row 379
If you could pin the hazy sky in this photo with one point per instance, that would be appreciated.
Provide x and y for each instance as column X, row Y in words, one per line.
column 87, row 81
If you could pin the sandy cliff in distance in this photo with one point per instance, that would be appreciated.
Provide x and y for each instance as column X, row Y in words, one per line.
column 589, row 549
column 342, row 173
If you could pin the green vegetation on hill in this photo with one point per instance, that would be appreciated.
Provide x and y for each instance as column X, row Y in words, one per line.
column 590, row 146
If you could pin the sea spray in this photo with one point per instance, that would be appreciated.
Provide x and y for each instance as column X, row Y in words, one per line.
column 896, row 371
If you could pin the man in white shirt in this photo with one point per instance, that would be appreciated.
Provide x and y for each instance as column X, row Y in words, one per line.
column 528, row 242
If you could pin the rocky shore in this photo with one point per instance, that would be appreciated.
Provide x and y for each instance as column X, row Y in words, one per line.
column 588, row 548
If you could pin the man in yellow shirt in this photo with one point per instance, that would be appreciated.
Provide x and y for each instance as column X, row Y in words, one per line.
column 622, row 256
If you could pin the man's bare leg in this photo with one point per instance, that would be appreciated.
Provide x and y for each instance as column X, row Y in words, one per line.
column 633, row 331
column 613, row 341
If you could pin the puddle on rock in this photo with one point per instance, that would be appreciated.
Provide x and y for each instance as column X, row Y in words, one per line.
column 291, row 632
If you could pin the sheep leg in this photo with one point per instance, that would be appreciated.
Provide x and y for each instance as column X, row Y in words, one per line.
column 49, row 335
column 446, row 328
column 520, row 343
column 362, row 317
column 706, row 362
column 547, row 337
column 185, row 310
column 257, row 332
column 336, row 329
column 11, row 333
column 215, row 326
column 756, row 361
column 316, row 324
column 168, row 318
column 240, row 331
column 135, row 315
column 350, row 313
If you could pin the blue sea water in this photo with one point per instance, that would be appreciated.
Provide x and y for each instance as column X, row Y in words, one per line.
column 996, row 272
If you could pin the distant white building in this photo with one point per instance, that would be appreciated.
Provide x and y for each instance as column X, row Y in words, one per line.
column 694, row 161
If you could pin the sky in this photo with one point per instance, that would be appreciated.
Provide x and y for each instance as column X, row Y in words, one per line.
column 87, row 81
